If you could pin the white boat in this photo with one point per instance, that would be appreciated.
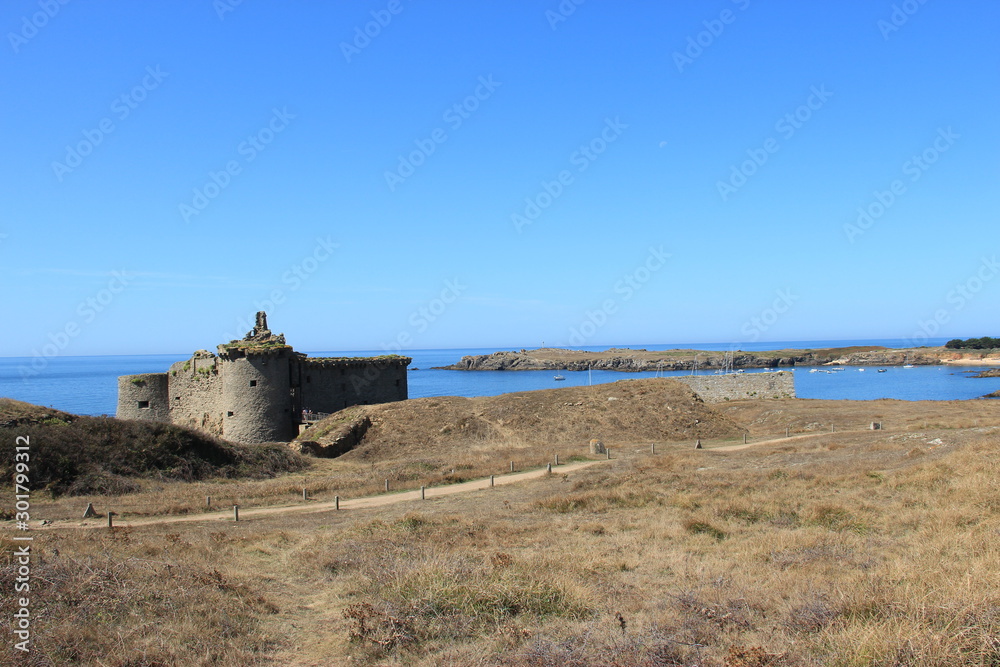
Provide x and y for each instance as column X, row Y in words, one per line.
column 557, row 378
column 861, row 370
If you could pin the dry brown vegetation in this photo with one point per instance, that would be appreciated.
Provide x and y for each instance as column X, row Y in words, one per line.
column 849, row 548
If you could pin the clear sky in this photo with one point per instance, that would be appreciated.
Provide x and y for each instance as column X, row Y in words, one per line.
column 395, row 173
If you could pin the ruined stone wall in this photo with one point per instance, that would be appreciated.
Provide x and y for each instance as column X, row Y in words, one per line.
column 331, row 385
column 143, row 397
column 741, row 386
column 256, row 396
column 256, row 388
column 196, row 394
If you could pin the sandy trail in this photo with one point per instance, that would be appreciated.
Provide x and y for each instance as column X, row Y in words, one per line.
column 791, row 438
column 330, row 505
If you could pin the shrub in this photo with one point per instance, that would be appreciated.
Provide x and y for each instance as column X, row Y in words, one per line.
column 99, row 454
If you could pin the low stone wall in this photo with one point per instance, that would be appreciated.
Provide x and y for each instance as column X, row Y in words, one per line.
column 741, row 386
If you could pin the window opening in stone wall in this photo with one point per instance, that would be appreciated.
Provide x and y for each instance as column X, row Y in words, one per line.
column 143, row 405
column 253, row 383
column 229, row 414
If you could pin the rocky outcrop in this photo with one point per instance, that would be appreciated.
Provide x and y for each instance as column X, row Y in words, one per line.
column 631, row 361
column 889, row 358
column 618, row 359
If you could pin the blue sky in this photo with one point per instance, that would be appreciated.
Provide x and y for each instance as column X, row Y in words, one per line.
column 496, row 174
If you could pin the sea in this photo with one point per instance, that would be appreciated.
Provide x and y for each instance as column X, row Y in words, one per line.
column 89, row 385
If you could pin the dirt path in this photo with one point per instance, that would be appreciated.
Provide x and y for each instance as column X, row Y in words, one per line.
column 792, row 438
column 330, row 505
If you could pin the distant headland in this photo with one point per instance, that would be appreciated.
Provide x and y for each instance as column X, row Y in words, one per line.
column 636, row 360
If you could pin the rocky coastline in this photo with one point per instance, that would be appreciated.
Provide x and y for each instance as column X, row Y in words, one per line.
column 637, row 360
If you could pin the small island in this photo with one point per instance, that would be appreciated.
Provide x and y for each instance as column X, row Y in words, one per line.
column 638, row 360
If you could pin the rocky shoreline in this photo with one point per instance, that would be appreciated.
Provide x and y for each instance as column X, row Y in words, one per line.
column 629, row 360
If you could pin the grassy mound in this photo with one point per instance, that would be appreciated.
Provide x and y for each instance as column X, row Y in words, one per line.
column 77, row 455
column 628, row 411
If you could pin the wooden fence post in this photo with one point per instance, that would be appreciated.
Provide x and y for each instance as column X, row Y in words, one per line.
column 236, row 512
column 336, row 502
column 491, row 480
column 422, row 496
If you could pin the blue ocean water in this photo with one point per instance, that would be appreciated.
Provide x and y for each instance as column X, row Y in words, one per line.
column 88, row 385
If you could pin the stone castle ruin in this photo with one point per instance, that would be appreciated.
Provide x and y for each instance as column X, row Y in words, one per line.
column 257, row 389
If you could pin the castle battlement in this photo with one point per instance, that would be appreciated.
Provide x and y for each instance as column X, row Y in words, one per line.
column 256, row 389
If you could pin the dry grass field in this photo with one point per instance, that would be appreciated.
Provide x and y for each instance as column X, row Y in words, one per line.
column 851, row 547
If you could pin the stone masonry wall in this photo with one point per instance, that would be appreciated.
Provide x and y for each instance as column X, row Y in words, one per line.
column 196, row 394
column 741, row 386
column 256, row 397
column 143, row 397
column 328, row 386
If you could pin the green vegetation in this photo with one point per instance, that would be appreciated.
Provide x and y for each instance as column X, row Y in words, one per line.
column 254, row 345
column 384, row 357
column 137, row 381
column 984, row 343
